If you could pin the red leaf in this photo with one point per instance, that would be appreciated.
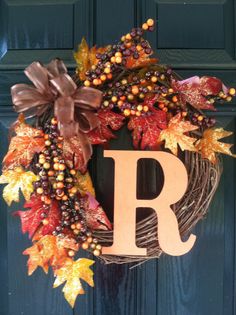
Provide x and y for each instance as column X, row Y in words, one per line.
column 96, row 218
column 53, row 218
column 31, row 219
column 146, row 129
column 107, row 120
column 194, row 91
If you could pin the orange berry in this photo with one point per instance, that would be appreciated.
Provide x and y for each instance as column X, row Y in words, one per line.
column 174, row 99
column 232, row 91
column 85, row 245
column 46, row 165
column 161, row 105
column 137, row 113
column 145, row 26
column 62, row 167
column 48, row 143
column 154, row 79
column 96, row 82
column 96, row 252
column 150, row 22
column 118, row 59
column 39, row 190
column 60, row 185
column 56, row 166
column 145, row 108
column 113, row 60
column 135, row 89
column 54, row 121
column 65, row 197
column 72, row 172
column 109, row 76
column 71, row 253
column 103, row 77
column 86, row 83
column 59, row 145
column 200, row 118
column 127, row 112
column 51, row 173
column 45, row 137
column 72, row 226
column 45, row 221
column 118, row 54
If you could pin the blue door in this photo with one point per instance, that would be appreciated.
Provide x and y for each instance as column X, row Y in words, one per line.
column 195, row 37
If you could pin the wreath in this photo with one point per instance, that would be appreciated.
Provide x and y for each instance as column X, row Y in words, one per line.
column 47, row 157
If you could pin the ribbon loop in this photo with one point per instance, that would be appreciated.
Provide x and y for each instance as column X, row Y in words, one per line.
column 54, row 87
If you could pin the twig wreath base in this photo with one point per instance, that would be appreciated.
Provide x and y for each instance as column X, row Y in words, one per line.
column 204, row 178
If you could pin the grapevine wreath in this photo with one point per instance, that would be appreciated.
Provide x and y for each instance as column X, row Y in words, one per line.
column 47, row 159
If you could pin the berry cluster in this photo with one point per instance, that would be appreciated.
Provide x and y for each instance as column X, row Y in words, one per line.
column 131, row 46
column 128, row 94
column 57, row 183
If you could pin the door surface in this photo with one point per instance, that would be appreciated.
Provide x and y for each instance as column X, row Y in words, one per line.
column 195, row 37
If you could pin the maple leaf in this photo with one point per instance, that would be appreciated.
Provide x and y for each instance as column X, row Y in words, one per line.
column 73, row 154
column 17, row 179
column 146, row 129
column 194, row 91
column 95, row 216
column 209, row 144
column 31, row 219
column 72, row 272
column 174, row 135
column 103, row 133
column 86, row 58
column 24, row 145
column 143, row 61
column 84, row 183
column 49, row 250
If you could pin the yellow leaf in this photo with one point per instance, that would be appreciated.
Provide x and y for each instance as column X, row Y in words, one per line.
column 71, row 273
column 17, row 179
column 174, row 135
column 84, row 184
column 209, row 144
column 86, row 58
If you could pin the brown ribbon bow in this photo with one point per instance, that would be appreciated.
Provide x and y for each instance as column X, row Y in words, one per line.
column 75, row 108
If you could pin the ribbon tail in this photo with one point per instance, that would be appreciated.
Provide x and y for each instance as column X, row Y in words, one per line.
column 86, row 148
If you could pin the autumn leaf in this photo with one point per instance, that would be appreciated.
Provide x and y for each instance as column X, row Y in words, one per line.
column 50, row 250
column 84, row 183
column 17, row 179
column 72, row 273
column 86, row 58
column 31, row 219
column 95, row 216
column 108, row 121
column 73, row 155
column 174, row 135
column 143, row 60
column 24, row 145
column 146, row 129
column 209, row 144
column 195, row 91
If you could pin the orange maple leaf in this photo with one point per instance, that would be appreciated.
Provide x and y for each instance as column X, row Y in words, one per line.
column 174, row 135
column 143, row 61
column 50, row 250
column 86, row 58
column 24, row 145
column 209, row 144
